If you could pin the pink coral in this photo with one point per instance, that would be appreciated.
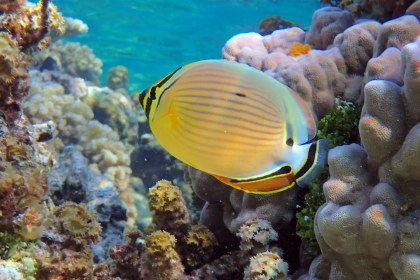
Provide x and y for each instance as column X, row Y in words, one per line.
column 320, row 75
column 369, row 228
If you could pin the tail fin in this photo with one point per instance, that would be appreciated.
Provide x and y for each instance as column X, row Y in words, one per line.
column 316, row 160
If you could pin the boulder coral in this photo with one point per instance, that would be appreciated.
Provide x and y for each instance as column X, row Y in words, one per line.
column 328, row 70
column 368, row 228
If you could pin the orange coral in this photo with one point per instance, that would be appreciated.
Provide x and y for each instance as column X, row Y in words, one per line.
column 299, row 49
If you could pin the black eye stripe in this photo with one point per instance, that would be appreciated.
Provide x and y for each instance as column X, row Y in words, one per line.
column 152, row 92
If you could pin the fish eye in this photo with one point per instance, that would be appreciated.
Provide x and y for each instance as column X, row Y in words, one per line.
column 289, row 142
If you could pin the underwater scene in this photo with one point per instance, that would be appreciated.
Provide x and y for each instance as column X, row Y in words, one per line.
column 210, row 140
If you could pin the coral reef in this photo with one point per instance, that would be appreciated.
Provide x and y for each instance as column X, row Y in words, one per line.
column 325, row 72
column 170, row 213
column 63, row 250
column 117, row 78
column 29, row 24
column 367, row 227
column 255, row 235
column 200, row 245
column 383, row 10
column 160, row 260
column 127, row 256
column 68, row 108
column 23, row 180
column 74, row 27
column 266, row 266
column 357, row 220
column 72, row 58
column 116, row 109
column 14, row 81
column 272, row 23
column 72, row 180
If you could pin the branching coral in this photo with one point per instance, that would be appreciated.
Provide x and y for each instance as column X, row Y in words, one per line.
column 115, row 109
column 98, row 142
column 118, row 78
column 74, row 59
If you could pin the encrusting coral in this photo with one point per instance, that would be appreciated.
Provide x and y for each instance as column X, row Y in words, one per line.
column 199, row 248
column 23, row 180
column 30, row 23
column 14, row 79
column 63, row 251
column 160, row 260
column 170, row 213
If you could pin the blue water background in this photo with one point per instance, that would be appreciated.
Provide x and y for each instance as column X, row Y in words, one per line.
column 153, row 37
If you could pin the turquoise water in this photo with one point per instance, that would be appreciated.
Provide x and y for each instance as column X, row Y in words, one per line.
column 153, row 37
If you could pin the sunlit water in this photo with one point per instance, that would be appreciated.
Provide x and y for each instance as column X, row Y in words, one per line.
column 153, row 37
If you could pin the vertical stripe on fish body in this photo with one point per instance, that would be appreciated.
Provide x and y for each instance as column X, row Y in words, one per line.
column 236, row 123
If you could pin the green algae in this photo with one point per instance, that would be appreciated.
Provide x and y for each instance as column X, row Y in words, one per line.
column 341, row 128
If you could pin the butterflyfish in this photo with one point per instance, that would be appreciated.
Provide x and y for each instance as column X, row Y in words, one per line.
column 236, row 123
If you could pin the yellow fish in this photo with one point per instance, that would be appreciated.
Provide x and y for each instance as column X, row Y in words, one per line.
column 236, row 123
